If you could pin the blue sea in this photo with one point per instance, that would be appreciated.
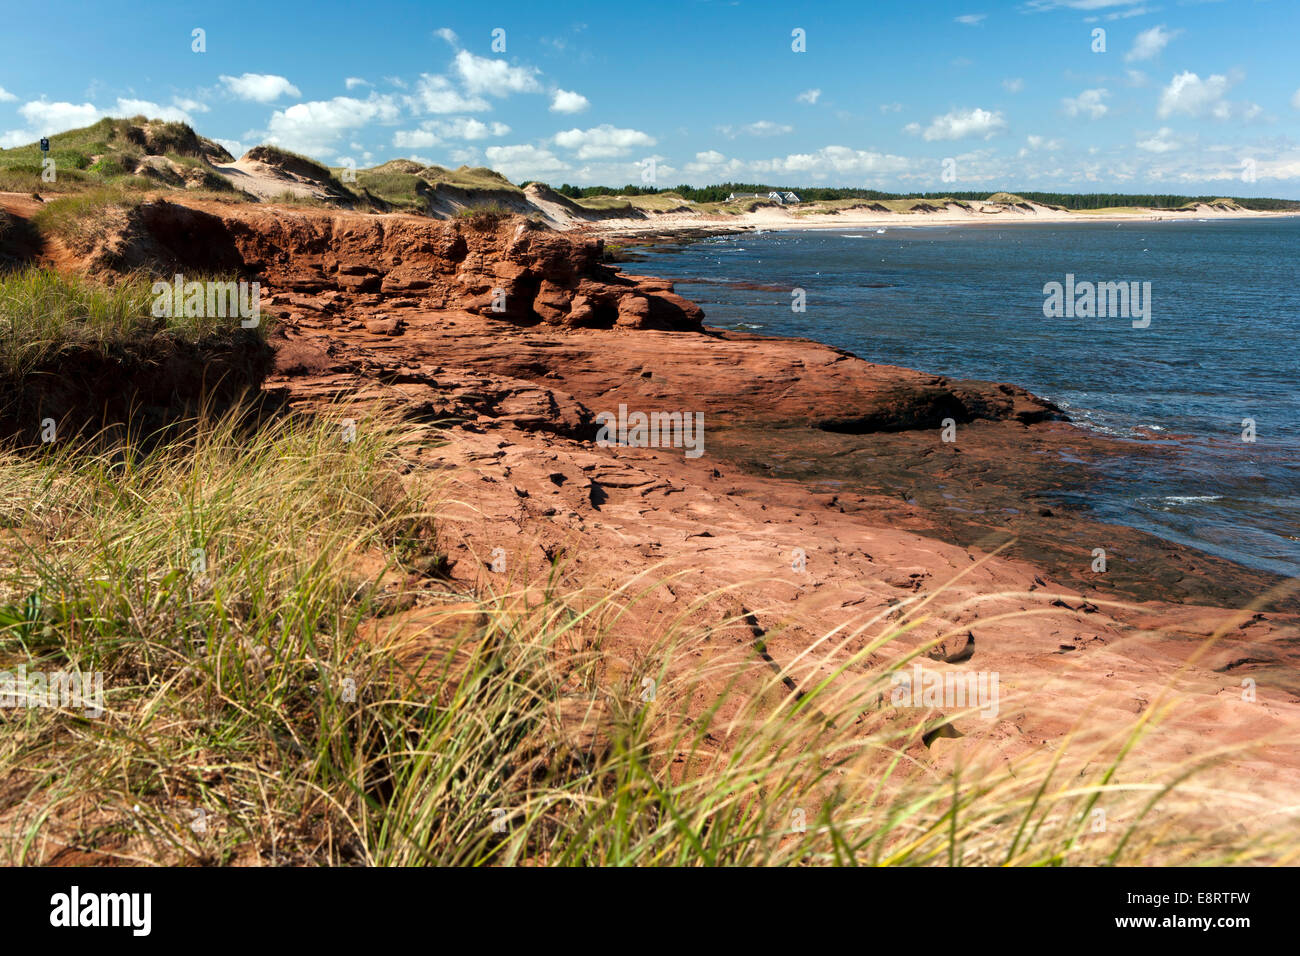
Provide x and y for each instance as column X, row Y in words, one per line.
column 1223, row 346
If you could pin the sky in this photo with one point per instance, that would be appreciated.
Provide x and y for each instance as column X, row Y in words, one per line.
column 1174, row 96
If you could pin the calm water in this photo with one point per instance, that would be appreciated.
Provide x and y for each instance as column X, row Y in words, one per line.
column 1222, row 346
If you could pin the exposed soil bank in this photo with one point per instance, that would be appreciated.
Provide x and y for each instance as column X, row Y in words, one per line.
column 144, row 385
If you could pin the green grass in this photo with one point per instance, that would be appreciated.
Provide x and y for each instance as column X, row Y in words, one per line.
column 44, row 314
column 96, row 155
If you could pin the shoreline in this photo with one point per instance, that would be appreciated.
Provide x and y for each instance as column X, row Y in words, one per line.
column 686, row 224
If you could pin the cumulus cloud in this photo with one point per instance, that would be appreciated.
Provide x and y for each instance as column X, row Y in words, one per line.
column 352, row 82
column 259, row 87
column 313, row 127
column 482, row 74
column 602, row 142
column 960, row 124
column 6, row 96
column 1149, row 43
column 1088, row 103
column 435, row 94
column 1162, row 141
column 524, row 161
column 809, row 96
column 434, row 132
column 448, row 34
column 56, row 117
column 172, row 114
column 838, row 160
column 1189, row 95
column 566, row 101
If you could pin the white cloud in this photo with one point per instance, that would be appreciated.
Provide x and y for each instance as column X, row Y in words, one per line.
column 1035, row 143
column 233, row 146
column 839, row 160
column 760, row 128
column 415, row 138
column 6, row 96
column 1149, row 43
column 190, row 106
column 1088, row 102
column 435, row 94
column 1295, row 100
column 1014, row 85
column 448, row 34
column 314, row 126
column 1134, row 12
column 482, row 74
column 171, row 114
column 352, row 82
column 602, row 142
column 433, row 132
column 523, row 162
column 1187, row 94
column 260, row 87
column 891, row 107
column 962, row 123
column 566, row 101
column 809, row 96
column 463, row 127
column 1162, row 141
column 56, row 117
column 970, row 19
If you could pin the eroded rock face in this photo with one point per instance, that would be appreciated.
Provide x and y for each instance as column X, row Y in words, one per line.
column 508, row 268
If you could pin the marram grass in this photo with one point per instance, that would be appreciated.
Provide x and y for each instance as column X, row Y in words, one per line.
column 243, row 591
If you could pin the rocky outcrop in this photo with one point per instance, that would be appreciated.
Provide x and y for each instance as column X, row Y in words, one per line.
column 344, row 265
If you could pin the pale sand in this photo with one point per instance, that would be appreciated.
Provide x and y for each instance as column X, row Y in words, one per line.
column 980, row 213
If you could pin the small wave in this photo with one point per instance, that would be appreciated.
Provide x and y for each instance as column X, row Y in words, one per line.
column 852, row 237
column 1188, row 499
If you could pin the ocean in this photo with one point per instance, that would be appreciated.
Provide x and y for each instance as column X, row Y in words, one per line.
column 1214, row 361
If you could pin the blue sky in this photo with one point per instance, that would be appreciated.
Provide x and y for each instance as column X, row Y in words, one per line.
column 1188, row 96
